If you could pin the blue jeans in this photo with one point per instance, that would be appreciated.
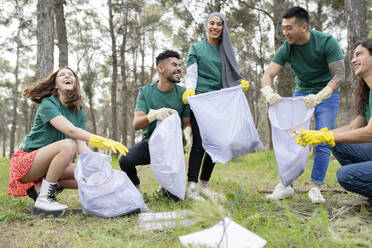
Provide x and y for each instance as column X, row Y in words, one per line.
column 325, row 116
column 355, row 175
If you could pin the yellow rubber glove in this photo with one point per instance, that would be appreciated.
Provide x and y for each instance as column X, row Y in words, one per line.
column 270, row 96
column 101, row 142
column 159, row 114
column 187, row 133
column 299, row 139
column 311, row 100
column 188, row 92
column 309, row 137
column 245, row 84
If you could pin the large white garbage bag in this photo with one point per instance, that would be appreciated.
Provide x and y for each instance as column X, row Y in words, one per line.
column 287, row 116
column 103, row 191
column 167, row 157
column 225, row 123
column 225, row 234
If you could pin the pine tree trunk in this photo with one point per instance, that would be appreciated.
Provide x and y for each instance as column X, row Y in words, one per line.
column 114, row 115
column 61, row 33
column 45, row 43
column 124, row 89
column 15, row 94
column 356, row 30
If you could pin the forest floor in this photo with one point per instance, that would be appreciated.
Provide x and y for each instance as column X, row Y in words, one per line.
column 288, row 223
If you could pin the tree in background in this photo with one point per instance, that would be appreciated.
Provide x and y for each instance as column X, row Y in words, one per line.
column 61, row 33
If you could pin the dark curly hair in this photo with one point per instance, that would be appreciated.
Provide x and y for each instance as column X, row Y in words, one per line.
column 46, row 87
column 362, row 89
column 166, row 54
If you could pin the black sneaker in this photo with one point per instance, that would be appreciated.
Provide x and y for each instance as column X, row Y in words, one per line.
column 163, row 192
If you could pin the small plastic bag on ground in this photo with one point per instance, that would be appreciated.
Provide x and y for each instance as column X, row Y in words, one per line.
column 225, row 234
column 167, row 156
column 287, row 116
column 103, row 191
column 225, row 123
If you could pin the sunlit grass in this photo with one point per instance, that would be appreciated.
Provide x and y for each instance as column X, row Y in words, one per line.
column 289, row 223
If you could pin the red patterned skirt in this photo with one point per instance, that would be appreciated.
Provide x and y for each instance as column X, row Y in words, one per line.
column 20, row 164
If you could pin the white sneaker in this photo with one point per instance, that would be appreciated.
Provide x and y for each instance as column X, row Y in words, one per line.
column 192, row 192
column 205, row 191
column 315, row 196
column 281, row 192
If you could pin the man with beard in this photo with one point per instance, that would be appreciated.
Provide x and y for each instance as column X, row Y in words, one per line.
column 157, row 101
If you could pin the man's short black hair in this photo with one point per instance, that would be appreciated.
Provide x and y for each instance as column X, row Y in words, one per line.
column 298, row 12
column 166, row 54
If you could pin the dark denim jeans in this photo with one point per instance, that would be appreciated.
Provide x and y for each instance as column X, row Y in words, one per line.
column 355, row 175
column 325, row 116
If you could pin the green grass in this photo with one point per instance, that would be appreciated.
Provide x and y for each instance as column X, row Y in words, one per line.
column 288, row 223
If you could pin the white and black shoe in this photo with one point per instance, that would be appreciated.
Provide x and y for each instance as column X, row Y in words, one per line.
column 46, row 203
column 33, row 193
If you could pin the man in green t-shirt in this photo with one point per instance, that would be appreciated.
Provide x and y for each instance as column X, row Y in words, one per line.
column 157, row 101
column 317, row 61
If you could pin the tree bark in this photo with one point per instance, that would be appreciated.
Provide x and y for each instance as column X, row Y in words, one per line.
column 356, row 30
column 61, row 33
column 124, row 89
column 153, row 48
column 318, row 20
column 114, row 74
column 15, row 93
column 92, row 115
column 134, row 95
column 26, row 114
column 285, row 80
column 45, row 43
column 45, row 38
column 4, row 141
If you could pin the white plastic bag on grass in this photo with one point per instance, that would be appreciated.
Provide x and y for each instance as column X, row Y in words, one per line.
column 225, row 123
column 225, row 234
column 287, row 116
column 167, row 157
column 103, row 191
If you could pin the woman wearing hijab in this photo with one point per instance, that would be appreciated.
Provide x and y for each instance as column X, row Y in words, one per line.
column 211, row 65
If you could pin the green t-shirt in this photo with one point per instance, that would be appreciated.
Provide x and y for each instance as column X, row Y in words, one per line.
column 42, row 132
column 150, row 97
column 310, row 61
column 368, row 108
column 208, row 58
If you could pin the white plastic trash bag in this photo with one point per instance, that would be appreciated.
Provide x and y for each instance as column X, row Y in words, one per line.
column 287, row 116
column 103, row 191
column 225, row 234
column 225, row 123
column 167, row 157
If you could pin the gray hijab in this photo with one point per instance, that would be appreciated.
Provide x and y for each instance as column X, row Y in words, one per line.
column 230, row 70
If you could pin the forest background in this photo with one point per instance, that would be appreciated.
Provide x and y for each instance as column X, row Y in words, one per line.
column 112, row 45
